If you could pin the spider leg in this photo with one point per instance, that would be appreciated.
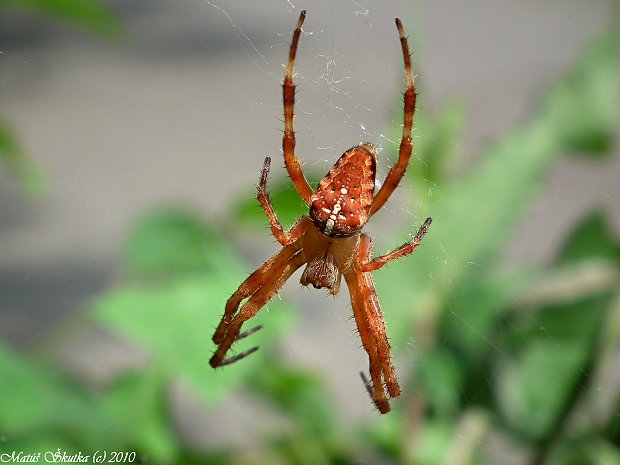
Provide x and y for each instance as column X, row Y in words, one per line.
column 377, row 326
column 237, row 357
column 258, row 289
column 288, row 140
column 248, row 287
column 404, row 249
column 376, row 391
column 367, row 383
column 371, row 327
column 267, row 270
column 404, row 153
column 284, row 238
column 249, row 332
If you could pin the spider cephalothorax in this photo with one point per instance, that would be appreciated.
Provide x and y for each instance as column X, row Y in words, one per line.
column 329, row 240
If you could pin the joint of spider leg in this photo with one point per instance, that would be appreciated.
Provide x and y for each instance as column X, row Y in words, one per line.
column 264, row 173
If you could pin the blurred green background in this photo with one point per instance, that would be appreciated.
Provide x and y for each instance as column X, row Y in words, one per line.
column 499, row 363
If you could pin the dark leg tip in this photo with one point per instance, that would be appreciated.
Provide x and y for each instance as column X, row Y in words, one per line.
column 236, row 358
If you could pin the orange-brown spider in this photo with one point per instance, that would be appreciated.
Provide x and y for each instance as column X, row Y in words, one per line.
column 329, row 240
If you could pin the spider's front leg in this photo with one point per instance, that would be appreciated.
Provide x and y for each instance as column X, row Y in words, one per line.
column 284, row 238
column 288, row 139
column 404, row 152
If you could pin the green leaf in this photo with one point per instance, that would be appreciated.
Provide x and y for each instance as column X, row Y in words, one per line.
column 297, row 393
column 470, row 320
column 591, row 238
column 542, row 361
column 139, row 404
column 175, row 322
column 533, row 389
column 441, row 377
column 175, row 242
column 602, row 452
column 583, row 108
column 431, row 442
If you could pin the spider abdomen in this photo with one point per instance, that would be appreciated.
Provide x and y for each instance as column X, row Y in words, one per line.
column 340, row 205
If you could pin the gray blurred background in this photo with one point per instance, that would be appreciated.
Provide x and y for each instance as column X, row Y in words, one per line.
column 184, row 108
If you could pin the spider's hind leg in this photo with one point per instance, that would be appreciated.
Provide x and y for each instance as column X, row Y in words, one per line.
column 258, row 289
column 228, row 361
column 371, row 327
column 382, row 383
column 371, row 391
column 249, row 332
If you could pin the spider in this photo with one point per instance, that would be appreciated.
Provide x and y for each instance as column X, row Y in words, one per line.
column 329, row 240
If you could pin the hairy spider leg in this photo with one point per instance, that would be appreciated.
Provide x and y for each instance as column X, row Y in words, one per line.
column 369, row 296
column 405, row 249
column 367, row 318
column 377, row 325
column 288, row 140
column 404, row 152
column 250, row 286
column 370, row 389
column 261, row 285
column 284, row 238
column 258, row 289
